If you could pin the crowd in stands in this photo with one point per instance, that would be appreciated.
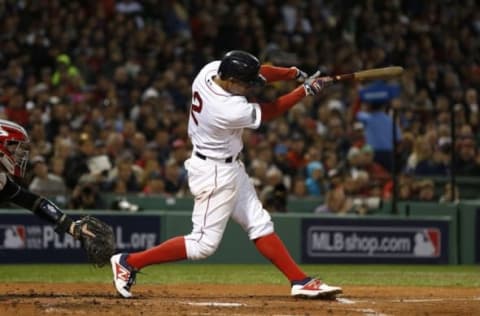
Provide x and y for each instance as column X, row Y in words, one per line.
column 103, row 88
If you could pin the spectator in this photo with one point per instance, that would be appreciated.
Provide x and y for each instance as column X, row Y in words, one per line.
column 420, row 161
column 336, row 131
column 466, row 163
column 16, row 111
column 149, row 163
column 426, row 191
column 258, row 171
column 138, row 144
column 330, row 160
column 280, row 159
column 155, row 185
column 161, row 143
column 274, row 194
column 47, row 184
column 354, row 161
column 295, row 155
column 299, row 187
column 175, row 184
column 57, row 167
column 276, row 198
column 404, row 192
column 314, row 180
column 379, row 134
column 357, row 137
column 336, row 200
column 115, row 145
column 180, row 153
column 376, row 172
column 126, row 175
column 76, row 164
column 39, row 141
column 471, row 101
column 86, row 196
column 65, row 71
column 448, row 196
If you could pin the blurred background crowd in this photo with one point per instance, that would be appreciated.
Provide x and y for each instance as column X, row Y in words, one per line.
column 103, row 88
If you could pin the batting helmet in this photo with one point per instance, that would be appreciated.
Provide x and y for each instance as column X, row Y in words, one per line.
column 241, row 66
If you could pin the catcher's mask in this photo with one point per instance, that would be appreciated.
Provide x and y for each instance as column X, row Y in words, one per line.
column 14, row 148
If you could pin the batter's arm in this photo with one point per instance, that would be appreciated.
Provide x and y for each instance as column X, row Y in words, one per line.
column 312, row 86
column 276, row 108
column 273, row 73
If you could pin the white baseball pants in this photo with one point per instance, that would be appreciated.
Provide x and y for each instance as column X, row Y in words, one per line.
column 221, row 190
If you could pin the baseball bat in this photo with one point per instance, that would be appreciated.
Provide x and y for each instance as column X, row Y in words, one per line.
column 370, row 74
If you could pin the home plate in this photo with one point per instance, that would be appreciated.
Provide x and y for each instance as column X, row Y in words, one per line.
column 216, row 304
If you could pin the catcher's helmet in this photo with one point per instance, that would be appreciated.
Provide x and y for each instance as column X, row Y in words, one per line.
column 14, row 143
column 241, row 66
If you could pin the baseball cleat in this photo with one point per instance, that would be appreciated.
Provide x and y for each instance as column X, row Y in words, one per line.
column 123, row 274
column 314, row 288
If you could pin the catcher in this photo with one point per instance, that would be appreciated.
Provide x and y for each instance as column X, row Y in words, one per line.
column 96, row 237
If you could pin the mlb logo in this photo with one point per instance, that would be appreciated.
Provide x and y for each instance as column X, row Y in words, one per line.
column 427, row 243
column 12, row 237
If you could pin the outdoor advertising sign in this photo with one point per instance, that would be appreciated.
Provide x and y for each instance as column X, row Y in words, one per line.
column 26, row 238
column 374, row 241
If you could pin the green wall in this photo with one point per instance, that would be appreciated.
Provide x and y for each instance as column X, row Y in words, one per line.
column 236, row 248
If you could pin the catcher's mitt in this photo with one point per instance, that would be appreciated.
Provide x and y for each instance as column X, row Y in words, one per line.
column 96, row 238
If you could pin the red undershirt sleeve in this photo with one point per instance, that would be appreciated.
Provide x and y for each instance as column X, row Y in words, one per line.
column 271, row 110
column 272, row 73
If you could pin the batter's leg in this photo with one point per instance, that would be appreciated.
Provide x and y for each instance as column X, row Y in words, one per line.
column 215, row 196
column 168, row 251
column 256, row 221
column 211, row 212
column 210, row 218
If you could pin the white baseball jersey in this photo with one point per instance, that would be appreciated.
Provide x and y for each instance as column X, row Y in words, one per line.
column 217, row 118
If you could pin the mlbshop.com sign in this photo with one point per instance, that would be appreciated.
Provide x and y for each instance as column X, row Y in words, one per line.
column 26, row 238
column 374, row 240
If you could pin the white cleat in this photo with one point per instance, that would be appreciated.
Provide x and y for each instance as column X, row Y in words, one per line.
column 123, row 274
column 314, row 288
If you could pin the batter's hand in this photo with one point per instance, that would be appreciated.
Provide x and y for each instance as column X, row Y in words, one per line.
column 315, row 84
column 301, row 76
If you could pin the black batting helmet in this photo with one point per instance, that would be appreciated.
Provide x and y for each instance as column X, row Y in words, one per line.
column 241, row 66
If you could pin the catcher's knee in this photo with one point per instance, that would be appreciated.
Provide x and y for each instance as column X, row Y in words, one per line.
column 199, row 249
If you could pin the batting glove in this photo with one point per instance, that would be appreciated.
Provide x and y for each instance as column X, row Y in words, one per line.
column 301, row 76
column 315, row 84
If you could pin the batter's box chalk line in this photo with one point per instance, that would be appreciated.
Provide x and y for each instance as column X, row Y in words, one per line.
column 216, row 304
column 345, row 300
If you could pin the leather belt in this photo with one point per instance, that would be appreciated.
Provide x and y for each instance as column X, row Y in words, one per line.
column 203, row 157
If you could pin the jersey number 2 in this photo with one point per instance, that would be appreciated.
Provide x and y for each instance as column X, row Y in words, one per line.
column 197, row 105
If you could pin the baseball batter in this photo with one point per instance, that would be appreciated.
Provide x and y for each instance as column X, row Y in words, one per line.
column 217, row 178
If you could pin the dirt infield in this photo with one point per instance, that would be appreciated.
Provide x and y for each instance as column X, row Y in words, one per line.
column 24, row 299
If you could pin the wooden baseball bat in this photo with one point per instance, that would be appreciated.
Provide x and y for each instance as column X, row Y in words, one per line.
column 370, row 74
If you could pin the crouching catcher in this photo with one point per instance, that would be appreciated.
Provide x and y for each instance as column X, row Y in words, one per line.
column 95, row 236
